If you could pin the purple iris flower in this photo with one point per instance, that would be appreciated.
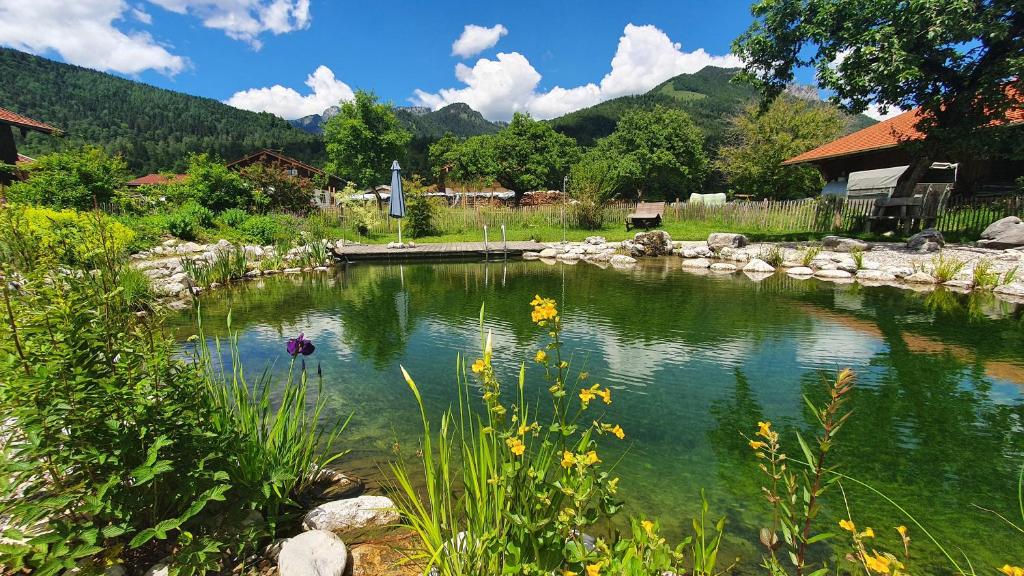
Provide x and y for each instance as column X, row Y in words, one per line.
column 300, row 345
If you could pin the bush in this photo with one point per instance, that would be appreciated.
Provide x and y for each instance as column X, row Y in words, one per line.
column 233, row 217
column 31, row 234
column 181, row 226
column 79, row 178
column 420, row 215
column 361, row 216
column 213, row 185
column 197, row 213
column 262, row 230
column 274, row 189
column 589, row 215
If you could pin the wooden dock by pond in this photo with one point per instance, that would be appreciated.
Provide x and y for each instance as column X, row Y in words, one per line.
column 358, row 252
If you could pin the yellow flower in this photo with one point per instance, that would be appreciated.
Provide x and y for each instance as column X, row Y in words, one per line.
column 757, row 445
column 586, row 395
column 867, row 533
column 648, row 527
column 877, row 563
column 1012, row 570
column 568, row 459
column 594, row 569
column 543, row 309
column 478, row 366
column 541, row 356
column 516, row 445
column 764, row 429
column 847, row 525
column 569, row 573
column 606, row 395
column 591, row 458
column 902, row 530
column 613, row 485
column 619, row 432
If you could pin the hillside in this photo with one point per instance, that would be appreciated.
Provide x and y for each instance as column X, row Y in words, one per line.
column 154, row 129
column 458, row 118
column 708, row 96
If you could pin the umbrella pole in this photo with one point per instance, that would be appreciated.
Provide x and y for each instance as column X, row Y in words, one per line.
column 399, row 231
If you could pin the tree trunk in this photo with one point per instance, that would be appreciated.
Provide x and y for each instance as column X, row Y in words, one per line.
column 918, row 167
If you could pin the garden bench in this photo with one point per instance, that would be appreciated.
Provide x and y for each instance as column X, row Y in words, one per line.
column 646, row 215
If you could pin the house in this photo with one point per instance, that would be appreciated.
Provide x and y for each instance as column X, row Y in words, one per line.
column 297, row 168
column 877, row 158
column 9, row 121
column 156, row 180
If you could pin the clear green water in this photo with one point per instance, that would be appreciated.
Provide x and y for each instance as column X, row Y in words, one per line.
column 695, row 361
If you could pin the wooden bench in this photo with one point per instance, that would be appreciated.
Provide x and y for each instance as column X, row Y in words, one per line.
column 647, row 215
column 920, row 210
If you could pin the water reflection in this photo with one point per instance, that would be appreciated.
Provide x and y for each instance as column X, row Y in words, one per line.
column 696, row 361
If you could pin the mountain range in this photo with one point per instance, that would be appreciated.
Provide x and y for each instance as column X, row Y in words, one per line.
column 156, row 129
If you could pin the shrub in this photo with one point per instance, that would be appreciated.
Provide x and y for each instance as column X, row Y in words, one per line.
column 361, row 216
column 76, row 178
column 199, row 214
column 29, row 234
column 213, row 185
column 274, row 189
column 233, row 217
column 420, row 216
column 262, row 230
column 589, row 215
column 181, row 226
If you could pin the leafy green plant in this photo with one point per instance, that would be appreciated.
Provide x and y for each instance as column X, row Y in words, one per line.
column 420, row 215
column 361, row 217
column 772, row 255
column 181, row 226
column 30, row 234
column 983, row 275
column 234, row 217
column 262, row 230
column 227, row 265
column 857, row 254
column 1010, row 275
column 809, row 254
column 945, row 269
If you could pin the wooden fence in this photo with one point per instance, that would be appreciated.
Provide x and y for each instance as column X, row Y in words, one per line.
column 965, row 218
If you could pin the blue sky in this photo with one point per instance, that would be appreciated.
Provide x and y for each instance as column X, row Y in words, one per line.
column 292, row 57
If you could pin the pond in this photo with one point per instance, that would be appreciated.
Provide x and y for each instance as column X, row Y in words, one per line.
column 694, row 361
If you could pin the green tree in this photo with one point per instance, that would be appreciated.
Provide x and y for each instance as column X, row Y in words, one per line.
column 592, row 181
column 363, row 139
column 212, row 184
column 659, row 153
column 529, row 155
column 953, row 58
column 764, row 139
column 74, row 178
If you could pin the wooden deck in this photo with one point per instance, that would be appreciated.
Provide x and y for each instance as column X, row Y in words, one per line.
column 358, row 252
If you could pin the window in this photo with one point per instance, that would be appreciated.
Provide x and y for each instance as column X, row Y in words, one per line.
column 293, row 172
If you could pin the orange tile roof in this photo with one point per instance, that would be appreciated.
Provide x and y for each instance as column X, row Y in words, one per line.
column 886, row 134
column 156, row 179
column 22, row 159
column 8, row 117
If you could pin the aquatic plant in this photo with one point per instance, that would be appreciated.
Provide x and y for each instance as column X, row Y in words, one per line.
column 945, row 269
column 227, row 265
column 772, row 255
column 983, row 275
column 809, row 254
column 1009, row 276
column 532, row 491
column 857, row 255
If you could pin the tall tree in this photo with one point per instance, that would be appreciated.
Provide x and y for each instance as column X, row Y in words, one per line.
column 953, row 58
column 363, row 139
column 762, row 140
column 530, row 155
column 660, row 153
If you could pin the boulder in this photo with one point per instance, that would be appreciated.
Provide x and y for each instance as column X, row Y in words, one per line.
column 331, row 485
column 723, row 267
column 568, row 256
column 531, row 255
column 697, row 263
column 929, row 240
column 169, row 288
column 847, row 265
column 698, row 252
column 1002, row 234
column 899, row 271
column 833, row 274
column 959, row 284
column 840, row 244
column 875, row 275
column 595, row 240
column 759, row 266
column 719, row 240
column 621, row 260
column 548, row 253
column 1012, row 289
column 800, row 271
column 352, row 513
column 313, row 553
column 654, row 243
column 920, row 278
column 161, row 568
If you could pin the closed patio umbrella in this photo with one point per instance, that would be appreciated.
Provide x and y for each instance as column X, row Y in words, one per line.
column 397, row 201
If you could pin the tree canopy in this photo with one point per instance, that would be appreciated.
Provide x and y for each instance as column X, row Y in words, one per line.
column 363, row 139
column 762, row 140
column 530, row 155
column 953, row 58
column 659, row 153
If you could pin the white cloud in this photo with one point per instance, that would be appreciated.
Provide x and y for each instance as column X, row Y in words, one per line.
column 84, row 33
column 245, row 19
column 875, row 111
column 645, row 57
column 475, row 39
column 287, row 103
